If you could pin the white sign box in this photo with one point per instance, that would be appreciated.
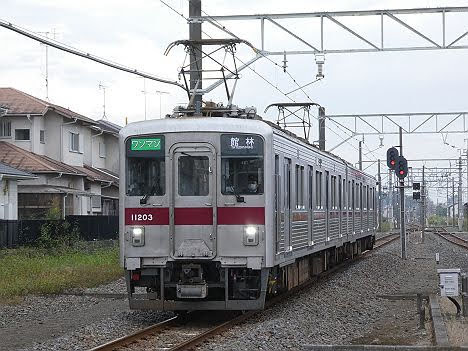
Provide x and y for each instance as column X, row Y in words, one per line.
column 448, row 281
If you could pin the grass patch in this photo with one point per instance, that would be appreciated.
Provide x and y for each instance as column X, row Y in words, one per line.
column 26, row 271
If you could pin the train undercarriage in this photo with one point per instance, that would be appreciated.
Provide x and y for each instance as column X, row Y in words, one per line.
column 192, row 285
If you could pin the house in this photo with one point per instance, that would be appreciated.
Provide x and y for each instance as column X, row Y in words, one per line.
column 75, row 159
column 9, row 178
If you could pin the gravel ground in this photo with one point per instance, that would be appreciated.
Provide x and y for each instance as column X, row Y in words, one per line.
column 346, row 309
column 67, row 322
column 342, row 309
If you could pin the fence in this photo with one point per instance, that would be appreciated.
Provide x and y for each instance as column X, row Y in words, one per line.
column 27, row 231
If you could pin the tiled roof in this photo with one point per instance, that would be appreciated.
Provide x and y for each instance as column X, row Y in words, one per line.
column 95, row 174
column 19, row 103
column 27, row 161
column 10, row 171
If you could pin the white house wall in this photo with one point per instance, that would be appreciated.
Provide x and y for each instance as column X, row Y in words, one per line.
column 8, row 199
column 52, row 123
column 112, row 153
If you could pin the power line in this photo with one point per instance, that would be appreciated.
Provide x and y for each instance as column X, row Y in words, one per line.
column 224, row 28
column 63, row 47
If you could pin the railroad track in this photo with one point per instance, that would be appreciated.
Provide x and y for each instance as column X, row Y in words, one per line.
column 194, row 330
column 452, row 237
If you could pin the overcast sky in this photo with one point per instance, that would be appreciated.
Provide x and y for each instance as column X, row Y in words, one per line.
column 136, row 33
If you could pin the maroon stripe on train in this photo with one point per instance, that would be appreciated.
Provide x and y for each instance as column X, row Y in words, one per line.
column 193, row 216
column 147, row 216
column 241, row 215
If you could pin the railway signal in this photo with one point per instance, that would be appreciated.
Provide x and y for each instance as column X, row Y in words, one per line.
column 401, row 168
column 392, row 155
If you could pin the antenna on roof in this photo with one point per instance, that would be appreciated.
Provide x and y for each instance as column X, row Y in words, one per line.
column 54, row 34
column 103, row 88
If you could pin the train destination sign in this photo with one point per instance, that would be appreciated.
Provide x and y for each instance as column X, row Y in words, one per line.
column 145, row 144
column 241, row 145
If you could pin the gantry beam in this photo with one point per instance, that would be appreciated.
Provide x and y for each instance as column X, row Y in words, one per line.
column 433, row 41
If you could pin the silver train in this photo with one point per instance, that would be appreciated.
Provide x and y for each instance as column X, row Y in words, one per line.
column 219, row 213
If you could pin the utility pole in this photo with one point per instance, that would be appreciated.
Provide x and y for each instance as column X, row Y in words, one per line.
column 195, row 33
column 379, row 179
column 453, row 201
column 402, row 206
column 360, row 156
column 460, row 195
column 448, row 206
column 160, row 93
column 423, row 205
column 321, row 116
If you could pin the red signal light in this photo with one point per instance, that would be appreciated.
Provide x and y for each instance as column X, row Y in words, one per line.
column 392, row 162
column 402, row 172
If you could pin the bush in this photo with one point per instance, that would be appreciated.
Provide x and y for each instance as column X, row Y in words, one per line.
column 57, row 233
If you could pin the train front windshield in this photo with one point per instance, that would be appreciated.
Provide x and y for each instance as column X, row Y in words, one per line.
column 146, row 167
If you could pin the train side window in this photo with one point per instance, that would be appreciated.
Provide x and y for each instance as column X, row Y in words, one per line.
column 350, row 195
column 299, row 187
column 311, row 179
column 360, row 196
column 327, row 190
column 318, row 190
column 353, row 195
column 333, row 192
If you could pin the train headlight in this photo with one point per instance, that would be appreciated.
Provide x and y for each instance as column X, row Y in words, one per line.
column 250, row 235
column 138, row 236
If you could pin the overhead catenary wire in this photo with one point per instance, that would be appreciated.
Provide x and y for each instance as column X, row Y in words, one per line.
column 71, row 50
column 265, row 79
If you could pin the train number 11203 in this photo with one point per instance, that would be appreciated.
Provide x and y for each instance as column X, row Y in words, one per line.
column 141, row 217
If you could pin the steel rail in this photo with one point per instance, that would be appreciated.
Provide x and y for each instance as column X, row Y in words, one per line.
column 451, row 237
column 220, row 328
column 131, row 338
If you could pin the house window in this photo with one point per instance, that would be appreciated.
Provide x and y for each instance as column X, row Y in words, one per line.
column 22, row 134
column 102, row 150
column 5, row 128
column 42, row 136
column 74, row 142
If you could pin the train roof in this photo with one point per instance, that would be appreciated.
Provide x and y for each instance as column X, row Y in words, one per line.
column 252, row 124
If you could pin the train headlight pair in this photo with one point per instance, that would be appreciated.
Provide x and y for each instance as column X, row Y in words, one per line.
column 138, row 236
column 250, row 235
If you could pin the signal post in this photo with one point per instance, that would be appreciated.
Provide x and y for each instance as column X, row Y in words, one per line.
column 397, row 162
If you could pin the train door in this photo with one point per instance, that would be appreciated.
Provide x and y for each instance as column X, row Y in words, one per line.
column 327, row 205
column 287, row 203
column 278, row 221
column 192, row 209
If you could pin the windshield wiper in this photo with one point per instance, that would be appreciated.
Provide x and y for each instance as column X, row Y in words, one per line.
column 145, row 197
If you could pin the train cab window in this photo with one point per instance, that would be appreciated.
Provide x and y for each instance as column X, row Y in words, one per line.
column 146, row 176
column 242, row 175
column 194, row 175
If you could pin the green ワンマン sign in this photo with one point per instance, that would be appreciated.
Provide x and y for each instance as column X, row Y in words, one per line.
column 145, row 144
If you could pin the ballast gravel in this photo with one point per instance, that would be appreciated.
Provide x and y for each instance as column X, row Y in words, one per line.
column 346, row 307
